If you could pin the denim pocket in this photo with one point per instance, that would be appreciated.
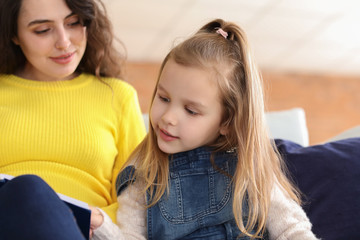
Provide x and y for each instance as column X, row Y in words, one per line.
column 195, row 193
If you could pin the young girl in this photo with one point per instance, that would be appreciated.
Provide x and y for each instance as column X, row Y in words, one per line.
column 207, row 168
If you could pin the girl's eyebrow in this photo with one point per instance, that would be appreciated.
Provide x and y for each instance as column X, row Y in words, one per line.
column 188, row 101
column 160, row 87
column 39, row 21
column 198, row 105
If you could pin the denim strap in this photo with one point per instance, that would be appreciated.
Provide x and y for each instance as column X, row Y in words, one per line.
column 124, row 178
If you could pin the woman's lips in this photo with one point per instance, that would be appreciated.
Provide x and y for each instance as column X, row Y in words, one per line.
column 63, row 59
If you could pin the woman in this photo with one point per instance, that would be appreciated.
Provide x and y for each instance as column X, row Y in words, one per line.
column 65, row 116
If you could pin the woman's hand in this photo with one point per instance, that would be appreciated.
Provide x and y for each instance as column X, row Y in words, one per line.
column 96, row 219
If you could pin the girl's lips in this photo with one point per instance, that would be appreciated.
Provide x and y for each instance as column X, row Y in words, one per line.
column 63, row 59
column 166, row 136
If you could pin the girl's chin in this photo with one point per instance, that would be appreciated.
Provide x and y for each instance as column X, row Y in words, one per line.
column 166, row 149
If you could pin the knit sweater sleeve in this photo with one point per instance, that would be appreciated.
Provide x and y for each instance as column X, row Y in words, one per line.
column 131, row 218
column 286, row 219
column 131, row 131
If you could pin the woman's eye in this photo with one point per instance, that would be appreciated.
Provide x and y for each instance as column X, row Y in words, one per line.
column 75, row 23
column 74, row 20
column 41, row 31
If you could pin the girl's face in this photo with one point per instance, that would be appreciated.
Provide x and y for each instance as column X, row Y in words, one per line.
column 52, row 39
column 186, row 111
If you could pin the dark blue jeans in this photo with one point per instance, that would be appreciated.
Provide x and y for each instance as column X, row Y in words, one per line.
column 30, row 209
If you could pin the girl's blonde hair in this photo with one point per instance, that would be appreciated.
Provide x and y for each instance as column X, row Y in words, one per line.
column 259, row 165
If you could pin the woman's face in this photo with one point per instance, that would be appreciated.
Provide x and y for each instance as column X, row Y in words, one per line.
column 52, row 39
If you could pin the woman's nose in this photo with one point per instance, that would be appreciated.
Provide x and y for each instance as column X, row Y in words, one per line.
column 63, row 39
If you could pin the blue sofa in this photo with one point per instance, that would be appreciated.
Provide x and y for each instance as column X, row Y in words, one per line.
column 328, row 175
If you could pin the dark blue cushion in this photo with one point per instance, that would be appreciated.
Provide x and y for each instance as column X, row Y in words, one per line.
column 329, row 177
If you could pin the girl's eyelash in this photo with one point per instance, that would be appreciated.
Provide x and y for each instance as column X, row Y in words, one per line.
column 188, row 110
column 164, row 99
column 191, row 112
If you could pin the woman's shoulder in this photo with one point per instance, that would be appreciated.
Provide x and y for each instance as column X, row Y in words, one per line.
column 118, row 86
column 117, row 82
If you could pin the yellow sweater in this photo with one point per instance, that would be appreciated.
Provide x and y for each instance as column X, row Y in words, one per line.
column 75, row 134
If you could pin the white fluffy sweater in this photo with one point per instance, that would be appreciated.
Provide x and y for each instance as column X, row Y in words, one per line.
column 286, row 219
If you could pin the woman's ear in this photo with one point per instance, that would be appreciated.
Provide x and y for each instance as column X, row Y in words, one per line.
column 15, row 40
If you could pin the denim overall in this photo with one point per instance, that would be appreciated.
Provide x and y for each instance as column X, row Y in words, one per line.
column 199, row 203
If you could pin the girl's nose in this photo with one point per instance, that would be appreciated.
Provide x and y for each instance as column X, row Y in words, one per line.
column 63, row 39
column 169, row 117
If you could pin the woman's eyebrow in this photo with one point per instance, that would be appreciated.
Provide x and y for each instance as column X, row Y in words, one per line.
column 39, row 21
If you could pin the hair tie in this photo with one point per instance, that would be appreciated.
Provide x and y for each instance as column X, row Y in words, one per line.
column 222, row 32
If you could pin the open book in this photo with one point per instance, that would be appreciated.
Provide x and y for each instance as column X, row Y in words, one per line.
column 79, row 208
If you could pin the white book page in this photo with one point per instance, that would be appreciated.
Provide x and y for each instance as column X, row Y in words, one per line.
column 73, row 201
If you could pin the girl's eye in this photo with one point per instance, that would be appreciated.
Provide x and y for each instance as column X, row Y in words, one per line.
column 191, row 112
column 164, row 99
